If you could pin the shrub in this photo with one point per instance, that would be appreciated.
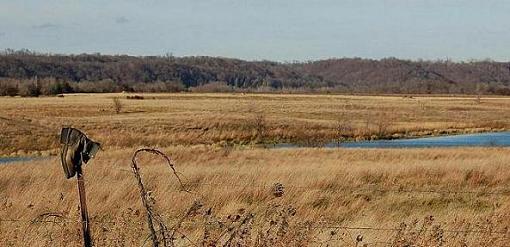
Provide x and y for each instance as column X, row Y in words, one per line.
column 103, row 86
column 54, row 88
column 213, row 87
column 11, row 91
column 117, row 105
column 139, row 97
column 157, row 87
column 29, row 89
column 8, row 89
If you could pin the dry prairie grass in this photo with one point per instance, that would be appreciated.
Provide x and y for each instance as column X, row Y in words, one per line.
column 407, row 192
column 406, row 197
column 188, row 119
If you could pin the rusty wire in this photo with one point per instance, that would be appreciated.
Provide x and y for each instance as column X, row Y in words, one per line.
column 148, row 202
column 167, row 159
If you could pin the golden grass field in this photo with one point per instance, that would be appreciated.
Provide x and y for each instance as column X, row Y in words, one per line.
column 188, row 119
column 332, row 197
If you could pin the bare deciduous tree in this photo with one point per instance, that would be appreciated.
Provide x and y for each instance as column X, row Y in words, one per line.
column 117, row 105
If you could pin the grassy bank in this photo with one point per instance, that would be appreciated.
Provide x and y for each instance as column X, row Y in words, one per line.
column 188, row 119
column 422, row 196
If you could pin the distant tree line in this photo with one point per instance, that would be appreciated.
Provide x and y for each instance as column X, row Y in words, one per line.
column 28, row 73
column 393, row 75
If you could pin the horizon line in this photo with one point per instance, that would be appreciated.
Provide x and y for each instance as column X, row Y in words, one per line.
column 9, row 51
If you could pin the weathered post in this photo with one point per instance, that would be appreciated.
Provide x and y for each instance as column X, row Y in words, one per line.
column 87, row 240
column 77, row 149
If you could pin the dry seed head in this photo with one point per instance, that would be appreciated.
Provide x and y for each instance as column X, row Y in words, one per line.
column 278, row 190
column 196, row 206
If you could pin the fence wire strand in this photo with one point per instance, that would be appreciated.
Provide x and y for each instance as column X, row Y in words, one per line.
column 185, row 186
column 321, row 225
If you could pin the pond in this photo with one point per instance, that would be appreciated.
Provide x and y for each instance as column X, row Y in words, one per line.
column 492, row 139
column 5, row 160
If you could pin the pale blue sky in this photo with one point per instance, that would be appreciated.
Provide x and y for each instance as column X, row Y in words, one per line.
column 282, row 30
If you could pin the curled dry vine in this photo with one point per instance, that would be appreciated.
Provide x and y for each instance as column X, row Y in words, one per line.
column 47, row 221
column 274, row 226
column 162, row 234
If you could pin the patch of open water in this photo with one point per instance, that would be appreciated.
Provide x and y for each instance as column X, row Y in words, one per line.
column 491, row 139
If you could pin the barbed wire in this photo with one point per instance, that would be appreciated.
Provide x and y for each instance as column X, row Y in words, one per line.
column 392, row 232
column 320, row 225
column 504, row 235
column 352, row 188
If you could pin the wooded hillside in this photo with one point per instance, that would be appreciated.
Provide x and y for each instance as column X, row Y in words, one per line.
column 28, row 73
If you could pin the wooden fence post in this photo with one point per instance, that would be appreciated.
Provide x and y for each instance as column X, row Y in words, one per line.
column 87, row 240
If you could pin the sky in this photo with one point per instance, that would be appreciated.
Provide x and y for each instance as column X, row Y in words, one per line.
column 279, row 30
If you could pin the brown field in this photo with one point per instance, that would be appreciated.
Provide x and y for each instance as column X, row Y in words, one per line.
column 187, row 119
column 382, row 197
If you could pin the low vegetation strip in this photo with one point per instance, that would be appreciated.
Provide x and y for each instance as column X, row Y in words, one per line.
column 165, row 120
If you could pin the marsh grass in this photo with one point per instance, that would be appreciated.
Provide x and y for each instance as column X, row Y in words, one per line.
column 258, row 197
column 189, row 119
column 323, row 189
